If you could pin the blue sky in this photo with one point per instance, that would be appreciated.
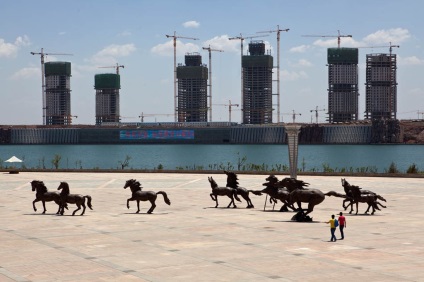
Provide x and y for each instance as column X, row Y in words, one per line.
column 132, row 33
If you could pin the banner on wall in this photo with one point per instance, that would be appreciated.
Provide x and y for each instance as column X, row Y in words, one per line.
column 155, row 134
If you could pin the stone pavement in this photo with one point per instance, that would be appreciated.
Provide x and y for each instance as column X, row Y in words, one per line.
column 190, row 240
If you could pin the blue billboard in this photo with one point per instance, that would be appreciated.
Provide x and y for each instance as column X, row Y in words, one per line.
column 156, row 134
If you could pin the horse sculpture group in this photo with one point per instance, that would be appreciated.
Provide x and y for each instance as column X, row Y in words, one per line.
column 290, row 191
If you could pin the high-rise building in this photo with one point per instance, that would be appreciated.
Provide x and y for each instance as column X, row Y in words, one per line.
column 257, row 85
column 381, row 87
column 342, row 84
column 107, row 97
column 58, row 93
column 192, row 105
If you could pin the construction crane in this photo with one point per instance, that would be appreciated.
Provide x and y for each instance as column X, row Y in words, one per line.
column 390, row 46
column 143, row 115
column 278, row 31
column 43, row 86
column 229, row 108
column 338, row 37
column 210, row 50
column 293, row 114
column 420, row 113
column 175, row 68
column 115, row 67
column 316, row 113
column 241, row 38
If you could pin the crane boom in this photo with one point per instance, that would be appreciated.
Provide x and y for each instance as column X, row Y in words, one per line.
column 115, row 67
column 43, row 86
column 174, row 37
column 338, row 37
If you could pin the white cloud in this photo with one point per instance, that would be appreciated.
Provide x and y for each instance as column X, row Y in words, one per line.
column 300, row 49
column 301, row 63
column 293, row 75
column 125, row 33
column 413, row 60
column 333, row 43
column 109, row 54
column 10, row 50
column 167, row 48
column 191, row 24
column 394, row 35
column 26, row 73
column 62, row 33
column 223, row 43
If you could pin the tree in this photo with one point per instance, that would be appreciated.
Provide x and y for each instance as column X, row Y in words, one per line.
column 56, row 161
column 125, row 163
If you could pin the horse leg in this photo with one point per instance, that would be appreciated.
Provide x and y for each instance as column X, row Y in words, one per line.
column 138, row 206
column 83, row 207
column 378, row 203
column 152, row 207
column 128, row 202
column 310, row 208
column 247, row 199
column 78, row 208
column 33, row 204
column 44, row 206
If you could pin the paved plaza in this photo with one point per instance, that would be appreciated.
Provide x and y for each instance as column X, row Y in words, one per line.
column 190, row 240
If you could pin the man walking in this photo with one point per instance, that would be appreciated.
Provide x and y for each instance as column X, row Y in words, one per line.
column 332, row 222
column 342, row 224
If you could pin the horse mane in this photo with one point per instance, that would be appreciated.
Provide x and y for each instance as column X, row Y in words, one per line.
column 43, row 187
column 231, row 179
column 65, row 188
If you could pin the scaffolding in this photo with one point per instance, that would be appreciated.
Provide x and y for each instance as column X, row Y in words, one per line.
column 58, row 93
column 107, row 97
column 381, row 87
column 192, row 105
column 342, row 84
column 257, row 85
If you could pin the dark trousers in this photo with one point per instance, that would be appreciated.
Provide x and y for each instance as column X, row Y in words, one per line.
column 341, row 231
column 333, row 236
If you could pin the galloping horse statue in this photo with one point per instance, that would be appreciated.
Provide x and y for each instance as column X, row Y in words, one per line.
column 223, row 191
column 355, row 195
column 44, row 195
column 67, row 197
column 138, row 195
column 277, row 192
column 232, row 181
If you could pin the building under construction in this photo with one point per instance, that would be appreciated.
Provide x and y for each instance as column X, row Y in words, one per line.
column 58, row 93
column 342, row 84
column 381, row 87
column 192, row 90
column 257, row 85
column 107, row 97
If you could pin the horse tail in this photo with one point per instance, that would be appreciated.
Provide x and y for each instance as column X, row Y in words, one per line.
column 335, row 194
column 381, row 198
column 257, row 193
column 88, row 201
column 165, row 197
column 235, row 195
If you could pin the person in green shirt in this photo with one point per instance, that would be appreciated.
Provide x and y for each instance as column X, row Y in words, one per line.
column 332, row 222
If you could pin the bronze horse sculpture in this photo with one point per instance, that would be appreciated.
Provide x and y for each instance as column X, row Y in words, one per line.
column 356, row 195
column 77, row 199
column 44, row 195
column 277, row 192
column 139, row 195
column 223, row 191
column 232, row 181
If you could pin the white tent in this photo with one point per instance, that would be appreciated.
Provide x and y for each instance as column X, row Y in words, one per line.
column 13, row 160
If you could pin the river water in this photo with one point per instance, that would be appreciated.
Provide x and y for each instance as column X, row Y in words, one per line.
column 311, row 157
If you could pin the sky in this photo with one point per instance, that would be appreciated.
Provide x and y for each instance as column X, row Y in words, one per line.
column 101, row 33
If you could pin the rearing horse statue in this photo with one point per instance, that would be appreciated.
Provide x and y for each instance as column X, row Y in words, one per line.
column 232, row 181
column 138, row 195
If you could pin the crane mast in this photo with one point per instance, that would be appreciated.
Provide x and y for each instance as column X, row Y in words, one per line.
column 229, row 108
column 174, row 37
column 43, row 85
column 278, row 31
column 209, row 49
column 316, row 113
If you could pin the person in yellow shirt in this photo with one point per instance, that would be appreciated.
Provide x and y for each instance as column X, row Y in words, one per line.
column 332, row 222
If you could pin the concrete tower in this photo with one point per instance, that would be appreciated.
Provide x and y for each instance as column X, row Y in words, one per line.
column 58, row 93
column 107, row 97
column 342, row 84
column 257, row 85
column 381, row 87
column 192, row 90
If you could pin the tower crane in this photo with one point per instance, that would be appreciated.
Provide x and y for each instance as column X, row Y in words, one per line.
column 278, row 31
column 390, row 46
column 241, row 38
column 210, row 77
column 316, row 113
column 115, row 67
column 175, row 68
column 43, row 85
column 143, row 115
column 293, row 114
column 229, row 108
column 338, row 37
column 420, row 113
